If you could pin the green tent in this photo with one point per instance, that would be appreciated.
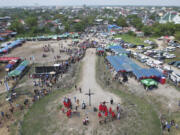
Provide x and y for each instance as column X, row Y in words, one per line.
column 109, row 45
column 18, row 72
column 76, row 40
column 149, row 82
column 75, row 35
column 24, row 63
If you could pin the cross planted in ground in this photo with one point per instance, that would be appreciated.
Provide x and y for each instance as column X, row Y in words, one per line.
column 89, row 94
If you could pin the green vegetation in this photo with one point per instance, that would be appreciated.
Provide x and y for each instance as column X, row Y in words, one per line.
column 177, row 35
column 177, row 53
column 135, row 21
column 37, row 120
column 150, row 106
column 147, row 117
column 133, row 39
column 121, row 22
column 155, row 30
column 39, row 117
column 37, row 22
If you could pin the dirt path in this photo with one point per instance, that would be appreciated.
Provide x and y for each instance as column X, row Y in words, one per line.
column 89, row 82
column 166, row 94
column 161, row 44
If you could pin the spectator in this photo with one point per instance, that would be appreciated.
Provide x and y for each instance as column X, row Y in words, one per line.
column 168, row 126
column 2, row 114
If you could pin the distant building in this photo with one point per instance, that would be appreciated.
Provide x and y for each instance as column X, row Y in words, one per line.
column 7, row 34
column 99, row 21
column 170, row 17
column 77, row 21
column 139, row 34
column 6, row 18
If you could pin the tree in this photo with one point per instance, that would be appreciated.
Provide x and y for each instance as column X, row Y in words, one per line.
column 110, row 21
column 31, row 22
column 121, row 22
column 135, row 21
column 57, row 31
column 177, row 35
column 17, row 26
column 164, row 29
column 79, row 27
column 67, row 27
column 152, row 17
column 131, row 33
column 147, row 30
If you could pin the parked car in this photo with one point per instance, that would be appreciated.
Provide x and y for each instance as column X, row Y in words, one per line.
column 171, row 63
column 177, row 64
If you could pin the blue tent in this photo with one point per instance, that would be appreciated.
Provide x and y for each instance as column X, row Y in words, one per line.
column 11, row 45
column 100, row 49
column 118, row 49
column 123, row 63
column 113, row 27
column 2, row 39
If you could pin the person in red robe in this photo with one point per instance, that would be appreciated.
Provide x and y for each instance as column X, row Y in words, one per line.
column 106, row 114
column 105, row 108
column 68, row 103
column 100, row 107
column 62, row 109
column 67, row 113
column 64, row 103
column 113, row 115
column 99, row 115
column 110, row 110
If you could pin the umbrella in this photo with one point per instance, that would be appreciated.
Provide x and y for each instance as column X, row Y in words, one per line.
column 149, row 82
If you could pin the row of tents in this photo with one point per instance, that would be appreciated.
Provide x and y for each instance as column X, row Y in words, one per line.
column 52, row 37
column 118, row 50
column 124, row 64
column 19, row 70
column 7, row 47
column 7, row 59
column 113, row 27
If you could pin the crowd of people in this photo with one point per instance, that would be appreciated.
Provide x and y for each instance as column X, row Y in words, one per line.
column 104, row 112
column 42, row 87
column 69, row 109
column 166, row 126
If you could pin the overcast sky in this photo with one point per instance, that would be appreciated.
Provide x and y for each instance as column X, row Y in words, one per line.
column 88, row 2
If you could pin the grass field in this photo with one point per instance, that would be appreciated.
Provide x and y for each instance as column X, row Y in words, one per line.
column 177, row 53
column 141, row 117
column 146, row 118
column 38, row 119
column 133, row 39
column 148, row 106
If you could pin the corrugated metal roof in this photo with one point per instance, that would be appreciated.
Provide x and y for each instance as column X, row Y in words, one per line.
column 123, row 63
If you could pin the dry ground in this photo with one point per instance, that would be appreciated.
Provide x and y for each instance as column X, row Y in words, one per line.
column 49, row 120
column 35, row 48
column 88, row 82
column 25, row 86
column 57, row 123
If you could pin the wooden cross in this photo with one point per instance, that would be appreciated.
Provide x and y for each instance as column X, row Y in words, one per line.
column 104, row 102
column 89, row 94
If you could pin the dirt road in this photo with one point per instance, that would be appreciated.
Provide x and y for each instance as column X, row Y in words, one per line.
column 89, row 82
column 161, row 44
column 166, row 94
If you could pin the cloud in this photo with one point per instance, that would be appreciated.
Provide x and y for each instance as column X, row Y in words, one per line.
column 88, row 2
